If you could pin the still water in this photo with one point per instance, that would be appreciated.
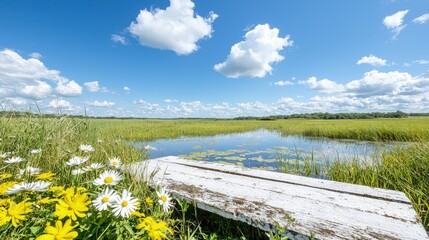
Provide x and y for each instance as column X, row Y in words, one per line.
column 263, row 148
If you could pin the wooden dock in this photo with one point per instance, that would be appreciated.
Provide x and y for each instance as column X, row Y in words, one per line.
column 331, row 210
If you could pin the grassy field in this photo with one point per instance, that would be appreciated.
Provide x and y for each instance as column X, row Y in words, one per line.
column 404, row 129
column 27, row 214
column 403, row 170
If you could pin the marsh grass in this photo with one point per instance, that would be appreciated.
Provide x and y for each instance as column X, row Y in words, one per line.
column 412, row 129
column 404, row 169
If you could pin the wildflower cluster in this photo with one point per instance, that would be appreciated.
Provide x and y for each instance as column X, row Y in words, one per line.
column 83, row 199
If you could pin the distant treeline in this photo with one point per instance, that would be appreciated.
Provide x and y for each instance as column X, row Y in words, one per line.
column 397, row 114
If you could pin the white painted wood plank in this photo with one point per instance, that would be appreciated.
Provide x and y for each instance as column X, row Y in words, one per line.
column 317, row 183
column 245, row 196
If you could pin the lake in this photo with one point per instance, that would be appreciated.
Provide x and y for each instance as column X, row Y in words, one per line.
column 264, row 148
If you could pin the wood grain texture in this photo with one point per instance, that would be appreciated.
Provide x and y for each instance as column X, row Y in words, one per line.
column 331, row 210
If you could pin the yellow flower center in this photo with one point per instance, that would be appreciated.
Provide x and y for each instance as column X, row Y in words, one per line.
column 105, row 199
column 164, row 198
column 108, row 179
column 124, row 203
column 114, row 163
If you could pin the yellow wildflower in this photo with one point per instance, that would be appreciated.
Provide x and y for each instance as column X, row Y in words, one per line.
column 69, row 191
column 72, row 206
column 5, row 176
column 57, row 190
column 46, row 176
column 15, row 212
column 156, row 230
column 149, row 201
column 81, row 189
column 4, row 186
column 5, row 202
column 59, row 232
column 137, row 214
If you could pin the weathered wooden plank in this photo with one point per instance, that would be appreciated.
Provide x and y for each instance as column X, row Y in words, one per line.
column 332, row 210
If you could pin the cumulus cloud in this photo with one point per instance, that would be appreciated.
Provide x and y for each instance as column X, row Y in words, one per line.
column 101, row 104
column 92, row 86
column 17, row 101
column 61, row 104
column 36, row 55
column 126, row 89
column 176, row 28
column 30, row 78
column 69, row 89
column 375, row 83
column 118, row 39
column 170, row 100
column 422, row 19
column 37, row 90
column 254, row 56
column 283, row 83
column 394, row 22
column 323, row 86
column 372, row 60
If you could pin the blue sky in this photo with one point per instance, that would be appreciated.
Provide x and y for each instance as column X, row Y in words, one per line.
column 184, row 58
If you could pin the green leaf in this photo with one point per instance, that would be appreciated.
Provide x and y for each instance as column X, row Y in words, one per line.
column 34, row 230
column 129, row 228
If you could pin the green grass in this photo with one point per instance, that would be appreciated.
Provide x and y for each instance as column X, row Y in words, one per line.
column 405, row 170
column 404, row 129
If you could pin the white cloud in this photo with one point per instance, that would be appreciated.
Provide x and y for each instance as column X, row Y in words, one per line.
column 118, row 39
column 170, row 100
column 92, row 86
column 372, row 60
column 422, row 19
column 323, row 86
column 61, row 104
column 283, row 83
column 17, row 101
column 69, row 89
column 421, row 61
column 37, row 91
column 394, row 22
column 30, row 78
column 375, row 83
column 126, row 89
column 36, row 55
column 101, row 104
column 176, row 28
column 253, row 56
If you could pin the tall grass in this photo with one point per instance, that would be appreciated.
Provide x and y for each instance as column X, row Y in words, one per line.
column 404, row 129
column 403, row 169
column 59, row 140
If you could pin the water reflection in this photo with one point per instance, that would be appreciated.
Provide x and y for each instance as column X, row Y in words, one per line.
column 263, row 148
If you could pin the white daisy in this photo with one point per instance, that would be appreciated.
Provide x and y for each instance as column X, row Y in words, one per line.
column 74, row 161
column 5, row 154
column 124, row 205
column 109, row 177
column 105, row 199
column 78, row 171
column 29, row 171
column 38, row 186
column 164, row 199
column 93, row 166
column 115, row 162
column 35, row 151
column 86, row 148
column 14, row 160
